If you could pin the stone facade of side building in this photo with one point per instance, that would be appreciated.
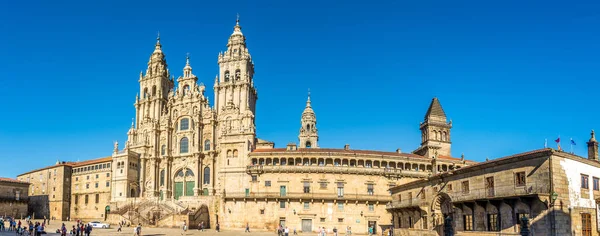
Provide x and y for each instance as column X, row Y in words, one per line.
column 557, row 191
column 49, row 191
column 13, row 197
column 185, row 160
column 91, row 189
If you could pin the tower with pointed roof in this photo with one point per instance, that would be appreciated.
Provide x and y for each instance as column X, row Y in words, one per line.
column 309, row 136
column 592, row 147
column 235, row 108
column 154, row 87
column 435, row 132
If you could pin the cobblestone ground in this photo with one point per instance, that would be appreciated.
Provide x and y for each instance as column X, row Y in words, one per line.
column 148, row 231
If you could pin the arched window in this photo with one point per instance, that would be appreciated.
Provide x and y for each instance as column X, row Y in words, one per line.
column 436, row 135
column 162, row 177
column 186, row 89
column 229, row 154
column 163, row 149
column 183, row 145
column 307, row 127
column 237, row 74
column 189, row 173
column 153, row 90
column 235, row 153
column 308, row 144
column 227, row 76
column 206, row 175
column 184, row 124
column 145, row 92
column 444, row 136
column 207, row 145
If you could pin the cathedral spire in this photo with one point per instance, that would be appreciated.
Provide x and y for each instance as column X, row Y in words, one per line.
column 187, row 70
column 308, row 100
column 309, row 136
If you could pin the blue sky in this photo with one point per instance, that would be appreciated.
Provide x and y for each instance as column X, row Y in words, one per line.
column 509, row 74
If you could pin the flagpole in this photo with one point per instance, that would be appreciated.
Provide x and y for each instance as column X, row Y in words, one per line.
column 571, row 145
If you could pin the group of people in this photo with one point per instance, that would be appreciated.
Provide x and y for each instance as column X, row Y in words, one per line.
column 283, row 231
column 27, row 228
column 80, row 230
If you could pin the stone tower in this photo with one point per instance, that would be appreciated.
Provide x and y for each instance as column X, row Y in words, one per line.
column 309, row 136
column 235, row 106
column 435, row 132
column 154, row 87
column 592, row 147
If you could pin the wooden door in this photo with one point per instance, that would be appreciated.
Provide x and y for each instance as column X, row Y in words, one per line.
column 586, row 224
column 306, row 225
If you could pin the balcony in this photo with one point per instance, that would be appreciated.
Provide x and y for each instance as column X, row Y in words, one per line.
column 407, row 203
column 499, row 192
column 308, row 196
column 388, row 172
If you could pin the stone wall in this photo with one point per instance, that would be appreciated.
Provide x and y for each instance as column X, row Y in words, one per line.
column 39, row 206
column 17, row 209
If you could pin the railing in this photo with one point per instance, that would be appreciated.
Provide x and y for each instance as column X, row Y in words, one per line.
column 323, row 196
column 477, row 194
column 259, row 169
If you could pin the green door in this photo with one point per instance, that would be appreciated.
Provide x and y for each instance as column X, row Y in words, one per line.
column 178, row 190
column 282, row 191
column 189, row 188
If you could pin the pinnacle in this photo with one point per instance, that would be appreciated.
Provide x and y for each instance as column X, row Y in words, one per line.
column 435, row 109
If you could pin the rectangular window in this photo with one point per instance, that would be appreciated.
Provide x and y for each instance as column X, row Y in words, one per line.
column 88, row 177
column 97, row 198
column 306, row 187
column 468, row 222
column 465, row 186
column 424, row 221
column 107, row 174
column 449, row 188
column 254, row 178
column 103, row 165
column 520, row 179
column 306, row 205
column 267, row 183
column 96, row 185
column 586, row 224
column 489, row 186
column 107, row 183
column 76, row 199
column 596, row 183
column 322, row 219
column 97, row 176
column 371, row 207
column 370, row 190
column 282, row 204
column 340, row 189
column 493, row 223
column 340, row 220
column 340, row 206
column 87, row 186
column 282, row 191
column 76, row 178
column 86, row 199
column 323, row 185
column 585, row 181
column 262, row 211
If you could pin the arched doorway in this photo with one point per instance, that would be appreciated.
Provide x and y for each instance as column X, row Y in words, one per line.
column 203, row 216
column 184, row 183
column 441, row 209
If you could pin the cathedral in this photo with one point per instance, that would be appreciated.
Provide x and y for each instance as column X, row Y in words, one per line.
column 189, row 160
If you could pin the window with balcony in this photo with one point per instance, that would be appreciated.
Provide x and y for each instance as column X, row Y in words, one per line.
column 340, row 189
column 520, row 179
column 370, row 190
column 306, row 187
column 465, row 186
column 468, row 222
column 585, row 179
column 254, row 178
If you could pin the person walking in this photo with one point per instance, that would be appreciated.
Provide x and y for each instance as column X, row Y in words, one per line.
column 287, row 231
column 63, row 230
column 218, row 227
column 334, row 231
column 247, row 228
column 184, row 227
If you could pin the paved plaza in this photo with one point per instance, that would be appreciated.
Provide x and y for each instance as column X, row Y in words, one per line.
column 149, row 231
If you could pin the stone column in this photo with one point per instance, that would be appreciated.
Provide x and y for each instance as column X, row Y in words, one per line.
column 142, row 176
column 197, row 188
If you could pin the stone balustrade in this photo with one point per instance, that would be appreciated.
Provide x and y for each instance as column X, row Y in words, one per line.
column 308, row 196
column 390, row 172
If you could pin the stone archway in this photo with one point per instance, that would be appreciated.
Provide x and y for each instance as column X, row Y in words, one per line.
column 441, row 208
column 202, row 215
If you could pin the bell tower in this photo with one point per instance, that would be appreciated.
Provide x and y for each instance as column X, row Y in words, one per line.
column 309, row 136
column 154, row 87
column 435, row 132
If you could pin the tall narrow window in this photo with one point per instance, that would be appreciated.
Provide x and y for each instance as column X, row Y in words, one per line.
column 465, row 186
column 520, row 179
column 370, row 190
column 162, row 177
column 585, row 179
column 340, row 189
column 206, row 175
column 226, row 76
column 183, row 145
column 596, row 183
column 163, row 149
column 493, row 223
column 468, row 222
column 489, row 186
column 306, row 187
column 237, row 74
column 207, row 145
column 184, row 124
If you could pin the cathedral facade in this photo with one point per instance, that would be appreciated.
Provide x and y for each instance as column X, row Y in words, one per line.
column 187, row 161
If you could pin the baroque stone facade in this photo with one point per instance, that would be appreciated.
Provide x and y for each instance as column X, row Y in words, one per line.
column 557, row 191
column 185, row 160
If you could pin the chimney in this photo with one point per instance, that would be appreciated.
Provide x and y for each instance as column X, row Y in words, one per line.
column 347, row 147
column 398, row 150
column 593, row 147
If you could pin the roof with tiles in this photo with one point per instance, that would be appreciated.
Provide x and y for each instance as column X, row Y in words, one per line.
column 94, row 161
column 349, row 151
column 3, row 179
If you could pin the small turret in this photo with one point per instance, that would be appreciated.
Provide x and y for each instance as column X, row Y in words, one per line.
column 309, row 135
column 592, row 147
